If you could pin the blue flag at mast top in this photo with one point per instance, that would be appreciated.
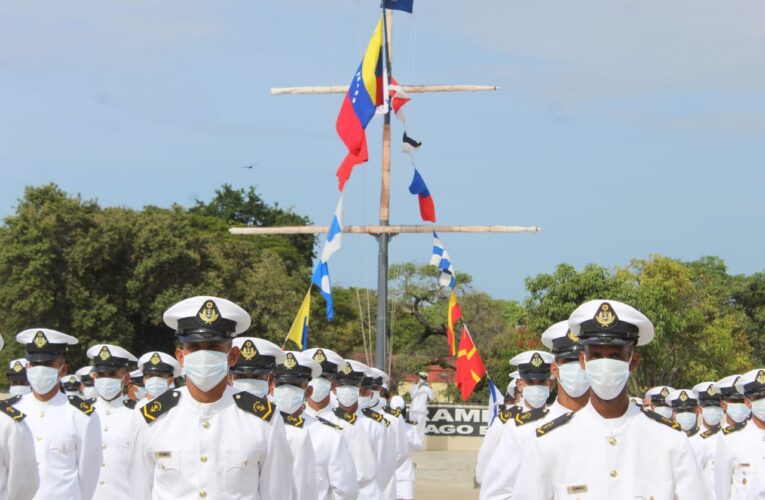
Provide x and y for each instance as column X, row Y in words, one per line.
column 403, row 5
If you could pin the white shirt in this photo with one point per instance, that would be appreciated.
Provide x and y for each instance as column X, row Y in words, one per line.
column 704, row 447
column 421, row 394
column 364, row 457
column 382, row 441
column 209, row 450
column 399, row 443
column 18, row 463
column 67, row 444
column 115, row 420
column 737, row 458
column 405, row 473
column 335, row 472
column 502, row 466
column 303, row 458
column 628, row 457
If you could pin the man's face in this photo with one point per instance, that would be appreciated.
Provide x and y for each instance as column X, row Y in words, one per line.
column 59, row 363
column 164, row 375
column 119, row 373
column 753, row 397
column 617, row 352
column 365, row 390
column 225, row 346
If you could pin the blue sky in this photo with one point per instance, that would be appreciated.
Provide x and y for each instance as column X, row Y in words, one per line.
column 621, row 128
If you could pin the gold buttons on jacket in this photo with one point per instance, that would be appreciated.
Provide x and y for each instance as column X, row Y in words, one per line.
column 612, row 441
column 614, row 473
column 203, row 459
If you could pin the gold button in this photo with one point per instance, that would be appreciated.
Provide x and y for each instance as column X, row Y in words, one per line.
column 39, row 438
column 203, row 494
column 103, row 446
column 614, row 473
column 101, row 483
column 203, row 459
column 108, row 412
column 206, row 424
column 612, row 441
column 42, row 414
column 106, row 429
column 103, row 465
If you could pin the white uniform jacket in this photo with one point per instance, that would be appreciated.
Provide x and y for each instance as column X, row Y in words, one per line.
column 18, row 463
column 335, row 471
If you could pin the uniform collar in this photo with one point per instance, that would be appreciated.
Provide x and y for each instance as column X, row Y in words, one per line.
column 225, row 400
column 102, row 403
column 612, row 424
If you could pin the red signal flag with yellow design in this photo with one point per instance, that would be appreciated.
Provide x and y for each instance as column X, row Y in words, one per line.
column 470, row 367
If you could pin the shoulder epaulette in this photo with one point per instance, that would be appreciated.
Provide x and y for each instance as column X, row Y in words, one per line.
column 292, row 421
column 733, row 428
column 692, row 432
column 710, row 432
column 507, row 415
column 554, row 424
column 377, row 417
column 13, row 399
column 344, row 415
column 12, row 412
column 260, row 407
column 662, row 420
column 90, row 401
column 81, row 404
column 155, row 408
column 129, row 403
column 327, row 422
column 529, row 416
column 391, row 411
column 411, row 422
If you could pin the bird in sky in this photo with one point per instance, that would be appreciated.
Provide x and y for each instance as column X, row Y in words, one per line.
column 252, row 166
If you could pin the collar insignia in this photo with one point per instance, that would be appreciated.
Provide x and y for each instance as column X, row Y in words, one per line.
column 536, row 360
column 290, row 362
column 155, row 359
column 104, row 354
column 40, row 340
column 605, row 317
column 248, row 350
column 208, row 314
column 319, row 356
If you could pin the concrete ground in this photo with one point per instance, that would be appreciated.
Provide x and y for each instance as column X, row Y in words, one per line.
column 445, row 475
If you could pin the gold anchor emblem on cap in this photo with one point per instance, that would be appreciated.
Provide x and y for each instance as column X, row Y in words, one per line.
column 319, row 356
column 72, row 380
column 155, row 359
column 664, row 392
column 573, row 338
column 248, row 350
column 536, row 360
column 208, row 314
column 104, row 354
column 290, row 362
column 683, row 397
column 711, row 390
column 40, row 340
column 347, row 369
column 760, row 377
column 17, row 367
column 605, row 317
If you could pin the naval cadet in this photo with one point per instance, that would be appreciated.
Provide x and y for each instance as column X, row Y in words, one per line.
column 254, row 370
column 573, row 395
column 741, row 449
column 732, row 401
column 18, row 463
column 159, row 371
column 685, row 407
column 705, row 442
column 534, row 371
column 207, row 439
column 70, row 385
column 66, row 429
column 290, row 386
column 110, row 376
column 656, row 400
column 136, row 387
column 610, row 449
column 17, row 378
column 335, row 469
column 87, row 391
column 405, row 474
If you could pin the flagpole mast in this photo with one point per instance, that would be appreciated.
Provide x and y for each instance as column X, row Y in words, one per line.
column 384, row 238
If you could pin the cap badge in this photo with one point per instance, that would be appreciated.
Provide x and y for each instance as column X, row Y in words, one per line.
column 40, row 340
column 605, row 317
column 683, row 397
column 760, row 377
column 573, row 338
column 664, row 392
column 347, row 369
column 72, row 380
column 208, row 314
column 319, row 356
column 711, row 390
column 536, row 360
column 155, row 359
column 17, row 367
column 290, row 362
column 248, row 350
column 104, row 354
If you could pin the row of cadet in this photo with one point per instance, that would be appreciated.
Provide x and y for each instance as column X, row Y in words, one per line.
column 251, row 422
column 593, row 441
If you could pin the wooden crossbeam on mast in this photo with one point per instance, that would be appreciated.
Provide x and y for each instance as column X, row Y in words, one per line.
column 393, row 230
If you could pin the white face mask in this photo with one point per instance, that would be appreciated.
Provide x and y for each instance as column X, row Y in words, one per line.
column 288, row 398
column 664, row 411
column 72, row 393
column 156, row 386
column 758, row 409
column 141, row 392
column 42, row 378
column 607, row 376
column 252, row 385
column 572, row 379
column 89, row 392
column 206, row 369
column 365, row 402
column 321, row 388
column 712, row 415
column 347, row 395
column 19, row 390
column 108, row 388
column 738, row 412
column 536, row 395
column 375, row 399
column 687, row 420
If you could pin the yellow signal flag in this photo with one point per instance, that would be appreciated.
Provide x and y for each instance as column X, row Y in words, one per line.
column 299, row 329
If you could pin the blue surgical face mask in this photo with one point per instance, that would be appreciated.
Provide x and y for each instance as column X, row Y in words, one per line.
column 536, row 395
column 206, row 369
column 141, row 392
column 572, row 378
column 687, row 420
column 738, row 412
column 252, row 385
column 108, row 388
column 288, row 398
column 712, row 415
column 19, row 390
column 664, row 411
column 89, row 392
column 156, row 386
column 347, row 395
column 607, row 376
column 321, row 389
column 42, row 378
column 758, row 409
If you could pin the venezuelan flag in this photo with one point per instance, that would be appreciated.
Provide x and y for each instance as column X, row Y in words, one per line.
column 364, row 95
